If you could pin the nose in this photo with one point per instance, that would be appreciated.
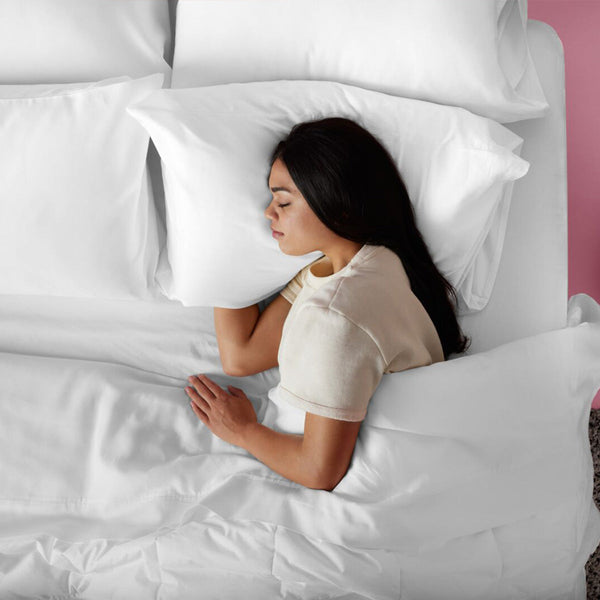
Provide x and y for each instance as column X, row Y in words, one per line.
column 268, row 211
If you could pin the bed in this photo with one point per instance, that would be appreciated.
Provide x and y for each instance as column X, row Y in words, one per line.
column 471, row 478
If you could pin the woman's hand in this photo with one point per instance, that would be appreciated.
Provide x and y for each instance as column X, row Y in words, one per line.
column 227, row 415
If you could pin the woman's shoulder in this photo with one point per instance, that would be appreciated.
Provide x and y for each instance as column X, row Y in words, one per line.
column 376, row 296
column 379, row 279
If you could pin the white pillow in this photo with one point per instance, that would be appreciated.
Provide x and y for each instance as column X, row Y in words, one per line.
column 215, row 143
column 83, row 40
column 75, row 214
column 469, row 53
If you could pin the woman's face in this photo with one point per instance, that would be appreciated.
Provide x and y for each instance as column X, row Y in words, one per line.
column 291, row 215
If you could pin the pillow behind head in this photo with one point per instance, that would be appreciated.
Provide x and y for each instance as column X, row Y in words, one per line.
column 76, row 218
column 82, row 40
column 469, row 53
column 215, row 143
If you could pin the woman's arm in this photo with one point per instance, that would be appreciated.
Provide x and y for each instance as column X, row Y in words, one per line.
column 318, row 459
column 234, row 327
column 249, row 342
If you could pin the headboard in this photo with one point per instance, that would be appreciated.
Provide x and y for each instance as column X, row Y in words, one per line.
column 530, row 294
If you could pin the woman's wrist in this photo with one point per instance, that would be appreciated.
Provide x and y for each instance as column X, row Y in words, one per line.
column 248, row 434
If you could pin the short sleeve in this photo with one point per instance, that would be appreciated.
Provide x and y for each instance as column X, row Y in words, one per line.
column 328, row 365
column 292, row 289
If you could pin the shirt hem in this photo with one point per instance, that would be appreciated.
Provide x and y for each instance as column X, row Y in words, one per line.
column 289, row 297
column 318, row 409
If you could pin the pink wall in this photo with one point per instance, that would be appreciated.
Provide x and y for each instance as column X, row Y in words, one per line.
column 577, row 23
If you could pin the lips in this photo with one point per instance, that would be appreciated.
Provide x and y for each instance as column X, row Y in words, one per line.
column 275, row 231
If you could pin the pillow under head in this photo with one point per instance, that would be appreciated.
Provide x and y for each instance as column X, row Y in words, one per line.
column 215, row 143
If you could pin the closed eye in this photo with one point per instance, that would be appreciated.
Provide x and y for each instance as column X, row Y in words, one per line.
column 283, row 205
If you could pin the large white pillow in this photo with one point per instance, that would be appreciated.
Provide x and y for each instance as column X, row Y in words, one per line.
column 215, row 144
column 469, row 53
column 76, row 218
column 45, row 41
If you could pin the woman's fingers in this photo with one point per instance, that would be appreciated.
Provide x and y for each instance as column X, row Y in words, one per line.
column 205, row 387
column 205, row 383
column 197, row 399
column 202, row 416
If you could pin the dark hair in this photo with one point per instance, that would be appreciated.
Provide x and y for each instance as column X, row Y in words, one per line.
column 351, row 183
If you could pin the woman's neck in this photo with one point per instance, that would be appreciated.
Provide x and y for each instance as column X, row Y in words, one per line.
column 338, row 257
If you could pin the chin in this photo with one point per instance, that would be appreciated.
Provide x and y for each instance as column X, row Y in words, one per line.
column 288, row 252
column 286, row 248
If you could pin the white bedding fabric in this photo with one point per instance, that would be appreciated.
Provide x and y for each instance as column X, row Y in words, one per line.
column 471, row 478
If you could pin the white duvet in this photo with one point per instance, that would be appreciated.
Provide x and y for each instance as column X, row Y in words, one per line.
column 471, row 478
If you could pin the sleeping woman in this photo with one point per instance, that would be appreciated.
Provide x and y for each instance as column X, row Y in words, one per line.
column 375, row 303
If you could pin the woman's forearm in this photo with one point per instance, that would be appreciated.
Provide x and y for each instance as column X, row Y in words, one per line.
column 319, row 458
column 233, row 327
column 285, row 454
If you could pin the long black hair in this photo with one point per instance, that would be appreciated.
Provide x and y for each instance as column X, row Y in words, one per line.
column 351, row 183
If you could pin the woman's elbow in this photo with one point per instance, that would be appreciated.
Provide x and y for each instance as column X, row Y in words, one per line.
column 326, row 481
column 327, row 487
column 232, row 365
column 232, row 369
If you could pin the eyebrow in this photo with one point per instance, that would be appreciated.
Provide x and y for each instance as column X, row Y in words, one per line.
column 281, row 189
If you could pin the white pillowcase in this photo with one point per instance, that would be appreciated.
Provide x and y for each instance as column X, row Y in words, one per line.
column 75, row 215
column 469, row 53
column 215, row 143
column 83, row 40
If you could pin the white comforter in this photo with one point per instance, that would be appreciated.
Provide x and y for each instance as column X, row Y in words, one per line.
column 471, row 478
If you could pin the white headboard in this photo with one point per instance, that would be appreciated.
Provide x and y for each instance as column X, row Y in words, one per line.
column 530, row 294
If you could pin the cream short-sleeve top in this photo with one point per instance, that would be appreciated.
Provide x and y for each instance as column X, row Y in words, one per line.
column 346, row 329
